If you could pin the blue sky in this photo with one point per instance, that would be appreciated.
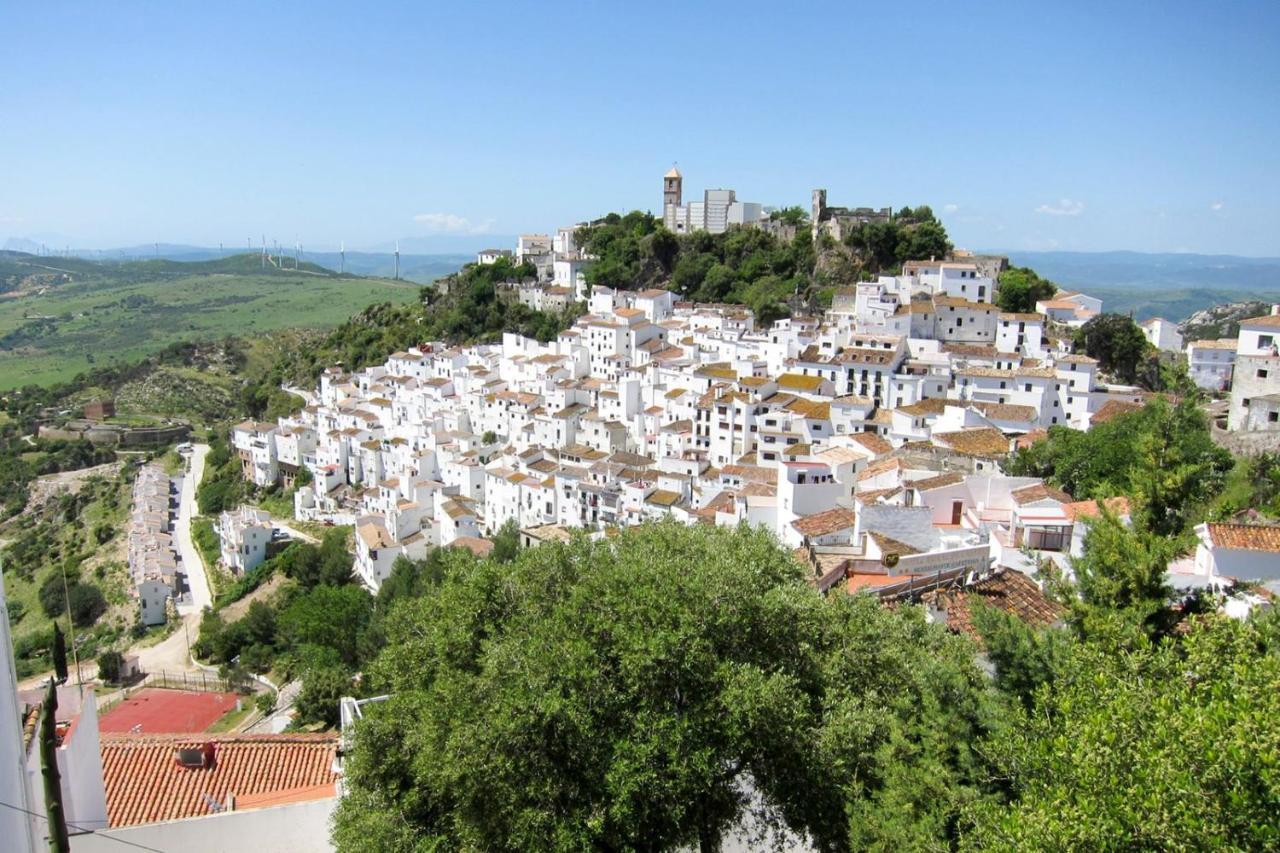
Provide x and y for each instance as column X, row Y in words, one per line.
column 1075, row 126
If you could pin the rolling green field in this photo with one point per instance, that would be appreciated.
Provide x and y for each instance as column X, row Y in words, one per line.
column 59, row 317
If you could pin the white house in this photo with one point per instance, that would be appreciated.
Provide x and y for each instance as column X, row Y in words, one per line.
column 1210, row 363
column 245, row 534
column 1162, row 334
column 1244, row 552
column 153, row 596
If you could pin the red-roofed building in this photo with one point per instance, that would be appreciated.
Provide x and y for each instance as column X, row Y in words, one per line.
column 152, row 778
column 1244, row 552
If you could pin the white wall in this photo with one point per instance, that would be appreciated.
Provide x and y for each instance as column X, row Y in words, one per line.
column 282, row 829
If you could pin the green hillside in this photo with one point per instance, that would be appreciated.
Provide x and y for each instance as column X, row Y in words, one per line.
column 61, row 316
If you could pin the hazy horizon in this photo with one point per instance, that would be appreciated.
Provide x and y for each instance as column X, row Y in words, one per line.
column 133, row 123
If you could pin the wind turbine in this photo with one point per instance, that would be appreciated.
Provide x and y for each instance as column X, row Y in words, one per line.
column 397, row 260
column 342, row 257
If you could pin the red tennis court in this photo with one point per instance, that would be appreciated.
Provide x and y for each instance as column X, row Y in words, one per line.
column 155, row 710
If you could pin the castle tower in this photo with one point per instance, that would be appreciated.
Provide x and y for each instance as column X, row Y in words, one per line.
column 672, row 187
column 819, row 208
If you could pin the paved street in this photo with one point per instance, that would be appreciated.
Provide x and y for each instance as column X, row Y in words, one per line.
column 197, row 581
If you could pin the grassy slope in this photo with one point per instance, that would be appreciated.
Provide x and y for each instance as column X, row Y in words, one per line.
column 104, row 566
column 95, row 321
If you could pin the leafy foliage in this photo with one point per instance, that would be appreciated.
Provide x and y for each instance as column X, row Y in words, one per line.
column 1119, row 346
column 912, row 234
column 110, row 664
column 1020, row 288
column 1161, row 455
column 618, row 695
column 1174, row 746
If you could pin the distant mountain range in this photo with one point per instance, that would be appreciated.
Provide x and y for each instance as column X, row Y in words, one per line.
column 1173, row 286
column 418, row 267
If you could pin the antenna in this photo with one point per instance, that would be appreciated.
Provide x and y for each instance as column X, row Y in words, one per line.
column 397, row 260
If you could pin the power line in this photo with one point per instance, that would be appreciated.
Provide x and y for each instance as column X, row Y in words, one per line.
column 70, row 825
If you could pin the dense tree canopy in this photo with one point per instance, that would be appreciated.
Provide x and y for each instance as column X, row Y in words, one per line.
column 1020, row 288
column 1161, row 455
column 624, row 694
column 1171, row 746
column 1117, row 343
column 912, row 234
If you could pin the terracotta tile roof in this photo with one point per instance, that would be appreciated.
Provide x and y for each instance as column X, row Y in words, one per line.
column 1113, row 409
column 822, row 523
column 1246, row 537
column 983, row 441
column 1221, row 343
column 1007, row 590
column 1089, row 509
column 872, row 442
column 927, row 406
column 949, row 479
column 1005, row 411
column 1270, row 321
column 145, row 784
column 799, row 382
column 1039, row 492
column 1031, row 438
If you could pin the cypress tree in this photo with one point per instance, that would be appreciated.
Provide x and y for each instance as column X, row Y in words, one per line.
column 59, row 654
column 58, row 840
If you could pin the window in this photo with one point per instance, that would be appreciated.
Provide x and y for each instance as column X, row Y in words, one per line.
column 1265, row 340
column 1273, row 417
column 1026, row 387
column 1262, row 373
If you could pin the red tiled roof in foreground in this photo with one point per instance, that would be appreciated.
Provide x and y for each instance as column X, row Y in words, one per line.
column 145, row 783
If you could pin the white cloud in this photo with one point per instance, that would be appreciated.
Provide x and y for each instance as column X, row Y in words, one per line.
column 1216, row 206
column 1064, row 207
column 950, row 208
column 451, row 223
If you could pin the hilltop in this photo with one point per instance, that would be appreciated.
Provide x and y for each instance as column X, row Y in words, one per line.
column 62, row 316
column 1221, row 321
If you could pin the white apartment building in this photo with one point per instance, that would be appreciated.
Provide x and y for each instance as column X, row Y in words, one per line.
column 1210, row 363
column 244, row 535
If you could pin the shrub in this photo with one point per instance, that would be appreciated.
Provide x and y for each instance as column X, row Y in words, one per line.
column 109, row 666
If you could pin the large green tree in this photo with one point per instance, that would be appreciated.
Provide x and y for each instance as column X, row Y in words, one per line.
column 1162, row 456
column 1020, row 288
column 1171, row 746
column 1117, row 343
column 628, row 693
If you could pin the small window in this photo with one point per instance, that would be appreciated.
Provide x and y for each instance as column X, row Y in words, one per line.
column 1262, row 373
